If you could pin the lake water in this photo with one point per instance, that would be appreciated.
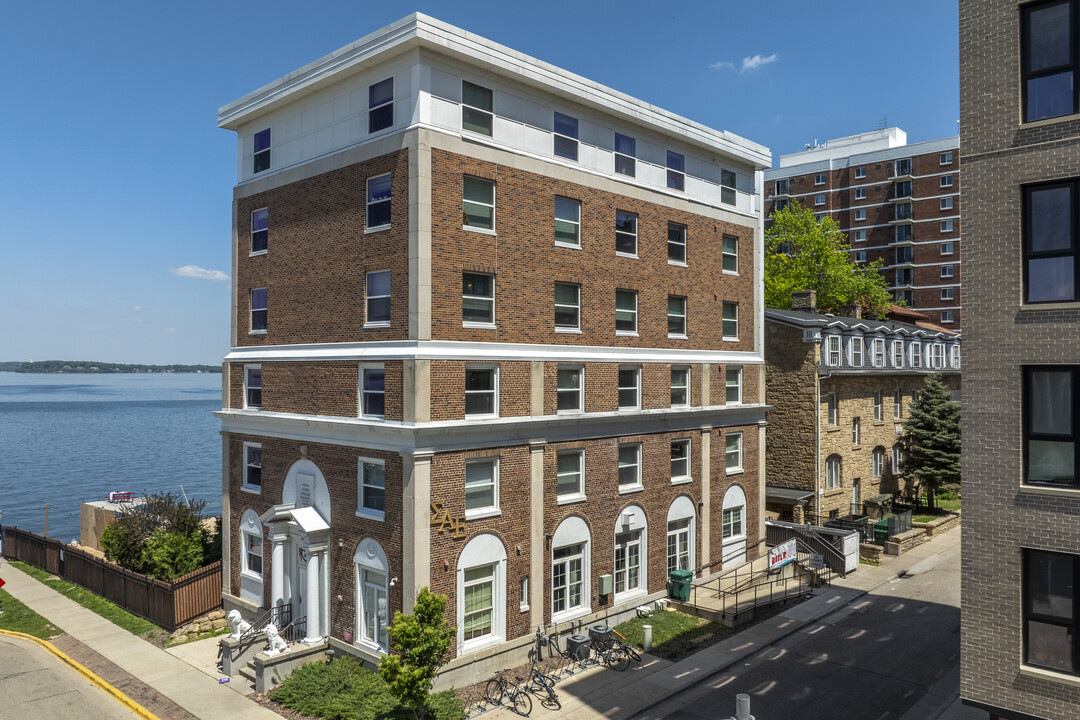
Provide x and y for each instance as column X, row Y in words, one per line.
column 69, row 438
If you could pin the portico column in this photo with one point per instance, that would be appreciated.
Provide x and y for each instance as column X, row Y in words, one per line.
column 277, row 569
column 416, row 526
column 313, row 625
column 705, row 504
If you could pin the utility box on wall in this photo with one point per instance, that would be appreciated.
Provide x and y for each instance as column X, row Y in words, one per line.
column 605, row 584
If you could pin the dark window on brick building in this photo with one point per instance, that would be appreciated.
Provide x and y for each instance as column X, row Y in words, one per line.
column 1050, row 228
column 381, row 105
column 1050, row 611
column 261, row 151
column 1048, row 59
column 259, row 300
column 260, row 224
column 378, row 201
column 1050, row 407
column 253, row 387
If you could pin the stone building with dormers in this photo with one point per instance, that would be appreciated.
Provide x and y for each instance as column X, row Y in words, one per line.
column 496, row 330
column 840, row 389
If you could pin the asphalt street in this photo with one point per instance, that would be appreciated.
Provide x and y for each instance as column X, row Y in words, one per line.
column 875, row 659
column 36, row 685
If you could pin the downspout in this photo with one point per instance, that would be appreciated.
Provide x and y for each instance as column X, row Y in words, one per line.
column 817, row 444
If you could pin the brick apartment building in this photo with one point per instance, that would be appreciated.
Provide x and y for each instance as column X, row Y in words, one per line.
column 840, row 389
column 895, row 201
column 496, row 331
column 1020, row 125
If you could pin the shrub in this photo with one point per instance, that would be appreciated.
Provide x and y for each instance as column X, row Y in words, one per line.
column 135, row 539
column 422, row 641
column 168, row 555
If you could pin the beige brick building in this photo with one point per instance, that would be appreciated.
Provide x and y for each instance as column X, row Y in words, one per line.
column 497, row 330
column 840, row 389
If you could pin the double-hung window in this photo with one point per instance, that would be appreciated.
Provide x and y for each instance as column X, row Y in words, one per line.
column 877, row 462
column 570, row 389
column 733, row 452
column 629, row 388
column 680, row 460
column 916, row 354
column 731, row 321
column 733, row 384
column 832, row 472
column 856, row 345
column 946, row 317
column 946, row 181
column 378, row 202
column 856, row 424
column 567, row 307
column 252, row 387
column 381, row 105
column 1050, row 242
column 832, row 350
column 1051, row 609
column 945, row 158
column 372, row 391
column 625, row 154
column 477, row 299
column 625, row 233
column 898, row 354
column 676, row 177
column 819, row 179
column 947, row 248
column 897, row 458
column 730, row 252
column 1048, row 59
column 860, row 193
column 937, row 356
column 897, row 404
column 946, row 203
column 947, row 294
column 566, row 136
column 1050, row 418
column 946, row 226
column 727, row 186
column 478, row 614
column 259, row 304
column 676, row 243
column 680, row 386
column 625, row 312
column 819, row 199
column 878, row 358
column 476, row 108
column 478, row 203
column 877, row 405
column 630, row 467
column 260, row 224
column 253, row 552
column 377, row 297
column 860, row 236
column 955, row 355
column 860, row 215
column 261, row 151
column 833, row 410
column 481, row 391
column 570, row 475
column 860, row 173
column 372, row 500
column 252, row 467
column 481, row 486
column 567, row 222
column 676, row 316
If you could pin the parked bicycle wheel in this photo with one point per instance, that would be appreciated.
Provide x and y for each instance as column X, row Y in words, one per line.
column 544, row 686
column 522, row 703
column 616, row 658
column 632, row 653
column 493, row 691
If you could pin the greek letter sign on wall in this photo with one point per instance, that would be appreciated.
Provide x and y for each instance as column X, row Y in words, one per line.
column 782, row 554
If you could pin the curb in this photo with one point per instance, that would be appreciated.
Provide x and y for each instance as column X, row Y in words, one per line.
column 88, row 674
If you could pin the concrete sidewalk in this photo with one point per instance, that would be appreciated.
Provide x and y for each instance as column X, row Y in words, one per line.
column 193, row 687
column 602, row 693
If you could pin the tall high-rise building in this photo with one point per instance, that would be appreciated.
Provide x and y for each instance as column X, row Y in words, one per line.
column 897, row 202
column 1020, row 133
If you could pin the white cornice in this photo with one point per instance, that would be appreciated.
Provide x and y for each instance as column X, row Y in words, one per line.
column 465, row 434
column 452, row 350
column 420, row 31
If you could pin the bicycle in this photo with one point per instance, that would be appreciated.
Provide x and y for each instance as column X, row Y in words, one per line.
column 543, row 685
column 627, row 647
column 518, row 699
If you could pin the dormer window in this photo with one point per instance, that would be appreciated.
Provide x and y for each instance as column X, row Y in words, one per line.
column 856, row 346
column 878, row 359
column 898, row 353
column 916, row 354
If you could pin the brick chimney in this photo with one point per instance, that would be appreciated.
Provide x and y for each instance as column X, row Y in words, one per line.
column 850, row 311
column 805, row 300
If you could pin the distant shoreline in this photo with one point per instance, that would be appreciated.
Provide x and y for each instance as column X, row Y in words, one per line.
column 82, row 367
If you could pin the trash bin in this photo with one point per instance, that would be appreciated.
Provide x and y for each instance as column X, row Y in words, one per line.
column 881, row 531
column 680, row 581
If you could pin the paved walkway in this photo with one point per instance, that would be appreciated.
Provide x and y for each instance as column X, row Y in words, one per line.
column 159, row 680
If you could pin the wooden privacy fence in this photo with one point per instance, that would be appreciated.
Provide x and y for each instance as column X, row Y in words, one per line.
column 169, row 605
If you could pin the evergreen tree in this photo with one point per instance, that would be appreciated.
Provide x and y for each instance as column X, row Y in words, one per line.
column 932, row 439
column 804, row 253
column 422, row 643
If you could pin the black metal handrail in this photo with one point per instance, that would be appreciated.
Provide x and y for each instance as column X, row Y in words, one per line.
column 279, row 615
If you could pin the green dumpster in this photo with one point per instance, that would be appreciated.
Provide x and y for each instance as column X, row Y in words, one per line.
column 881, row 531
column 679, row 584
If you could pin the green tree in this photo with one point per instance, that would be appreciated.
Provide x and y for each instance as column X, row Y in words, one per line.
column 175, row 525
column 803, row 253
column 168, row 555
column 422, row 643
column 932, row 440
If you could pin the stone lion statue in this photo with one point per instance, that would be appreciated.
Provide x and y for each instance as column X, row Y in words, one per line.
column 238, row 624
column 275, row 645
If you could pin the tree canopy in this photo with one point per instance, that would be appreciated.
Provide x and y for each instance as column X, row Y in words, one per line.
column 932, row 439
column 422, row 643
column 804, row 253
column 163, row 537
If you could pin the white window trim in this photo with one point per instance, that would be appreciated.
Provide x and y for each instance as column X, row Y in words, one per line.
column 877, row 462
column 898, row 405
column 376, row 562
column 362, row 511
column 898, row 354
column 251, row 227
column 637, row 384
column 482, row 551
column 246, row 521
column 856, row 431
column 832, row 410
column 819, row 179
column 476, row 109
column 724, row 254
column 367, row 196
column 915, row 356
column 628, row 333
column 523, row 590
column 636, row 234
column 371, row 366
column 686, row 369
column 689, row 476
column 858, row 233
column 251, row 311
column 946, row 226
column 563, row 243
column 245, row 485
column 952, row 248
column 635, row 486
column 946, row 181
column 494, row 202
column 580, row 391
column 491, row 510
column 725, row 337
column 246, row 406
column 946, row 203
column 369, row 297
column 879, row 406
column 682, row 335
column 860, row 215
column 579, row 496
column 856, row 342
column 473, row 323
column 830, row 483
column 739, row 468
column 878, row 359
column 739, row 385
column 578, row 610
column 860, row 173
column 680, row 263
column 860, row 193
column 942, row 156
column 495, row 403
column 833, row 350
column 566, row 328
column 555, row 134
column 643, row 554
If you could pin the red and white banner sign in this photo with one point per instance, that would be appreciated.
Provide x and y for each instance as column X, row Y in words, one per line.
column 782, row 554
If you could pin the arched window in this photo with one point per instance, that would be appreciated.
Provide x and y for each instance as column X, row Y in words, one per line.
column 832, row 472
column 481, row 592
column 877, row 462
column 631, row 545
column 251, row 557
column 372, row 610
column 680, row 534
column 897, row 459
column 733, row 521
column 571, row 548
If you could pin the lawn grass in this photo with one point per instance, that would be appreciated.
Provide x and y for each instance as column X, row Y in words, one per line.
column 345, row 690
column 95, row 603
column 675, row 634
column 950, row 503
column 19, row 618
column 924, row 518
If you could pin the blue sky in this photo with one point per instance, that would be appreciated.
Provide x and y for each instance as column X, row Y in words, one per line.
column 114, row 177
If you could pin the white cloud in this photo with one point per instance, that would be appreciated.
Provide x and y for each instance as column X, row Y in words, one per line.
column 197, row 272
column 169, row 330
column 753, row 63
column 722, row 65
column 137, row 308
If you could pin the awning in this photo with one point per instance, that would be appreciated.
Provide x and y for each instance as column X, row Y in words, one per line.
column 787, row 496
